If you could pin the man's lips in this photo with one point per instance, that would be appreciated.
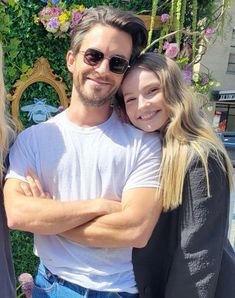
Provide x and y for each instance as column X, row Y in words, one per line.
column 99, row 82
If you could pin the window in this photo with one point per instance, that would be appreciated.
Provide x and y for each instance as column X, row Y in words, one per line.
column 231, row 60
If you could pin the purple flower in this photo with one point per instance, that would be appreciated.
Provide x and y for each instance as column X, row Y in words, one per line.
column 55, row 2
column 164, row 17
column 54, row 23
column 209, row 31
column 172, row 50
column 26, row 281
column 204, row 81
column 187, row 75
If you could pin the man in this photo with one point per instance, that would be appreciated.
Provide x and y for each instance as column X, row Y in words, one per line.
column 101, row 173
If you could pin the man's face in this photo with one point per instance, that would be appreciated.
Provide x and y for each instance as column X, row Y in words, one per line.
column 95, row 85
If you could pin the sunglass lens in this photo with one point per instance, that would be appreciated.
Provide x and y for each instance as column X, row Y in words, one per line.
column 93, row 57
column 118, row 64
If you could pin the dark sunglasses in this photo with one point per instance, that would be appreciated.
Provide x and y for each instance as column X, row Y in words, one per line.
column 117, row 64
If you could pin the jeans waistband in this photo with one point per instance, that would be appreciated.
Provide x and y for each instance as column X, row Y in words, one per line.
column 75, row 287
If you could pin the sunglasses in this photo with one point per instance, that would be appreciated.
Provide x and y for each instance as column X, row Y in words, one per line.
column 117, row 64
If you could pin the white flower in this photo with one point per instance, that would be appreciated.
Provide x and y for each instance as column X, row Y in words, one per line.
column 64, row 27
column 51, row 29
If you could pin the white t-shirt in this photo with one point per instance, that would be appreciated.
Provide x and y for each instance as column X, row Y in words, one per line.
column 74, row 163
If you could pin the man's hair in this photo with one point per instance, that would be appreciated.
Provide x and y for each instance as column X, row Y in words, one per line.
column 109, row 16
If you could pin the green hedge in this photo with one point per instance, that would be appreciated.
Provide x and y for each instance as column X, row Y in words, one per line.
column 22, row 251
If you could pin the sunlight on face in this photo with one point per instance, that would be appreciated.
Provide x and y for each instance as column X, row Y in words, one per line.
column 144, row 100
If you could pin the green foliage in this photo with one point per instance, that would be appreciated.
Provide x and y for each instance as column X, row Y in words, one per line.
column 22, row 250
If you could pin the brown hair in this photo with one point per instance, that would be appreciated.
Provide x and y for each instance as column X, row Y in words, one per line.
column 119, row 19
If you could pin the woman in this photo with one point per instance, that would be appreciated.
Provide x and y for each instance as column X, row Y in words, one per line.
column 7, row 277
column 188, row 254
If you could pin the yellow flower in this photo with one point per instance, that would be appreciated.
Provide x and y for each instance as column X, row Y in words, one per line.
column 64, row 17
column 81, row 8
column 36, row 20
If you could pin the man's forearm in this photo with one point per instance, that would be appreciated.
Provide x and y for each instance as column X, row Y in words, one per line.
column 122, row 229
column 46, row 216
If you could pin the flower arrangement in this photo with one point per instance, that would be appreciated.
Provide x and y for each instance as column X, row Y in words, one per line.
column 57, row 19
column 182, row 53
column 201, row 82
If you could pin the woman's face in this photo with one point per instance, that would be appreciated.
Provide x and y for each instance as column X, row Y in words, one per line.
column 144, row 100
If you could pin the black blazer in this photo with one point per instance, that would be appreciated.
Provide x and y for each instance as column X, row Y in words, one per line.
column 188, row 254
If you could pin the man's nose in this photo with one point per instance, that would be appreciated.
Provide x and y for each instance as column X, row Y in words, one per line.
column 103, row 66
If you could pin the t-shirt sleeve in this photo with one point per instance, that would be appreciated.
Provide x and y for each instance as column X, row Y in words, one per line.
column 21, row 156
column 146, row 167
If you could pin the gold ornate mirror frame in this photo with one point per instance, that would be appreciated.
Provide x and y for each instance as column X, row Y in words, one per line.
column 41, row 72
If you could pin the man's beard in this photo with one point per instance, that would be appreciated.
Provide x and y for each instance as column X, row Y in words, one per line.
column 92, row 100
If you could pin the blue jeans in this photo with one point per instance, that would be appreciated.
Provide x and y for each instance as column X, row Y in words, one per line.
column 48, row 285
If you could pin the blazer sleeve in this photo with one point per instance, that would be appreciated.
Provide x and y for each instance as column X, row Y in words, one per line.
column 202, row 234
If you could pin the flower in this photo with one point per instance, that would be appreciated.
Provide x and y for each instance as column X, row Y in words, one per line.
column 57, row 19
column 165, row 45
column 76, row 17
column 187, row 75
column 209, row 31
column 203, row 82
column 172, row 49
column 26, row 282
column 164, row 17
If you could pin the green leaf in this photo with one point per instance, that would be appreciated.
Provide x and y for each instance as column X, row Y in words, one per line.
column 11, row 71
column 24, row 67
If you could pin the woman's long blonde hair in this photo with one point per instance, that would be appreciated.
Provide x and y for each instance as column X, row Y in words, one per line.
column 187, row 133
column 6, row 131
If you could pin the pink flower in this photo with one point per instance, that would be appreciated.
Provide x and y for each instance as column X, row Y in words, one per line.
column 165, row 45
column 26, row 281
column 172, row 50
column 76, row 17
column 164, row 17
column 209, row 31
